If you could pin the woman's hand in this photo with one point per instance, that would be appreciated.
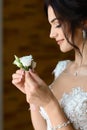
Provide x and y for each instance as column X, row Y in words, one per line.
column 37, row 91
column 18, row 80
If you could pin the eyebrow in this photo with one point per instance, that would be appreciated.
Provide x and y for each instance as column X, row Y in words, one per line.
column 53, row 20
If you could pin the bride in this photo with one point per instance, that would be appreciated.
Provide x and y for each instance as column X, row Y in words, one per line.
column 63, row 104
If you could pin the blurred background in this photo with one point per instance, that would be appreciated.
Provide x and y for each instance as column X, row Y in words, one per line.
column 25, row 32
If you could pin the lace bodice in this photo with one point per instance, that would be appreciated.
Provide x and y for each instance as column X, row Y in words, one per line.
column 74, row 104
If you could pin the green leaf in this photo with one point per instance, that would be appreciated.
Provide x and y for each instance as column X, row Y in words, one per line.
column 17, row 62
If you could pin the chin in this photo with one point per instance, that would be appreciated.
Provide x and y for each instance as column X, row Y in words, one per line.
column 65, row 50
column 65, row 47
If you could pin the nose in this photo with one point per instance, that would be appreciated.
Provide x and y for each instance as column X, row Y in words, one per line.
column 53, row 33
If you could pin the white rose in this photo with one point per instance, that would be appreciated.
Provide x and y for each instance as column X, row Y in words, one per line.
column 25, row 62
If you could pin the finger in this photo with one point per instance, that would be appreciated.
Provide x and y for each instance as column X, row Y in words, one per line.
column 36, row 77
column 20, row 71
column 16, row 76
column 16, row 81
column 30, row 80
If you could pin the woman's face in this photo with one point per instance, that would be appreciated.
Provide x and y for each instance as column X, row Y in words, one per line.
column 56, row 31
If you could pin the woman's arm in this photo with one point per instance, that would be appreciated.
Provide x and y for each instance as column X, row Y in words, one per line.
column 38, row 93
column 38, row 122
column 57, row 116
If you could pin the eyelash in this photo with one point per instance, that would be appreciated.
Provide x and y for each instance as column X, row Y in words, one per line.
column 58, row 26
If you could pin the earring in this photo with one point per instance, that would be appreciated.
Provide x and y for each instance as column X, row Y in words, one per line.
column 84, row 33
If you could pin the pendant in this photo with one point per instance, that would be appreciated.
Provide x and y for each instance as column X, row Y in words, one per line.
column 76, row 73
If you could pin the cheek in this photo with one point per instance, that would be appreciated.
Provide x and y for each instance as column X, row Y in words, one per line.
column 61, row 32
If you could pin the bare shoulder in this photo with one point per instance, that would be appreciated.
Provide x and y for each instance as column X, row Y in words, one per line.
column 66, row 80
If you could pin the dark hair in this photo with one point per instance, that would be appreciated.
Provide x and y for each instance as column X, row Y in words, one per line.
column 70, row 12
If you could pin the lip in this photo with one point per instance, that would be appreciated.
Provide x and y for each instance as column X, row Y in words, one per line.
column 59, row 41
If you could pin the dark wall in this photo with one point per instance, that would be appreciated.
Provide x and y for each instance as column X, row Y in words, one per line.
column 26, row 31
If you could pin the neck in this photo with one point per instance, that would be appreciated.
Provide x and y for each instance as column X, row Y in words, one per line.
column 81, row 60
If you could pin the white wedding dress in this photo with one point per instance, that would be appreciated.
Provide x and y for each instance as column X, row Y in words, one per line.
column 74, row 104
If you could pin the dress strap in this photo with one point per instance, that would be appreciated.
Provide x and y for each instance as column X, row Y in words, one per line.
column 60, row 67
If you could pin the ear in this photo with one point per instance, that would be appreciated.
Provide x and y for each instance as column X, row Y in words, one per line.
column 84, row 23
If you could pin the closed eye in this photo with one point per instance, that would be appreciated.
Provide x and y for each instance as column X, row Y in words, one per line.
column 58, row 26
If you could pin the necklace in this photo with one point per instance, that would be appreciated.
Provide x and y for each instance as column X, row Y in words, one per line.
column 78, row 70
column 82, row 70
column 76, row 73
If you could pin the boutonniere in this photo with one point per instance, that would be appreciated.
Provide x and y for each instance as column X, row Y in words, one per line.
column 25, row 62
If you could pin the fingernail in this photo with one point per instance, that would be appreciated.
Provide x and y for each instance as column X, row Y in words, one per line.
column 23, row 72
column 30, row 70
column 33, row 70
column 21, row 77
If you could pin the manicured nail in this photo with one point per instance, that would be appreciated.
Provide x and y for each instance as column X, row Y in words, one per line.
column 30, row 70
column 21, row 77
column 22, row 72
